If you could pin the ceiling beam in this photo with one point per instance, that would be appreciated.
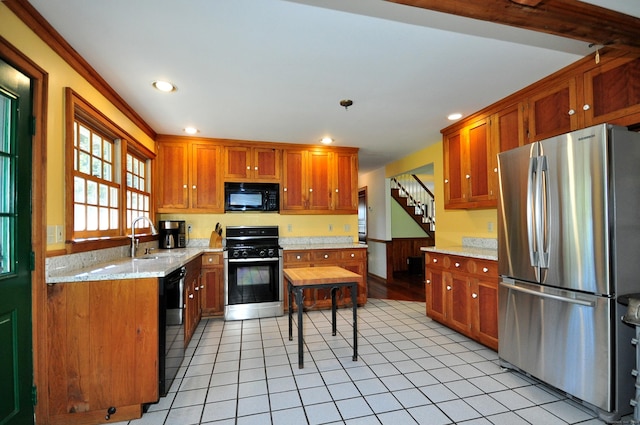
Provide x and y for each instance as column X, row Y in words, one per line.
column 566, row 18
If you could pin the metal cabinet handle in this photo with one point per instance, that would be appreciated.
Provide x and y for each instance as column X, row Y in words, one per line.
column 446, row 180
column 193, row 187
column 571, row 111
column 201, row 286
column 474, row 295
column 284, row 190
column 457, row 264
column 191, row 296
column 197, row 288
column 435, row 260
column 495, row 170
column 255, row 168
column 448, row 287
column 428, row 281
column 485, row 269
column 586, row 107
column 210, row 259
column 248, row 167
column 326, row 256
column 468, row 176
column 353, row 255
column 310, row 190
column 184, row 186
column 298, row 257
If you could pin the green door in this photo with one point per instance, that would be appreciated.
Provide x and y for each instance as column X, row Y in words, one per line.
column 16, row 359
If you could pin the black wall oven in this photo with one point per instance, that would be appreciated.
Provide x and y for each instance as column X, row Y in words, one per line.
column 253, row 273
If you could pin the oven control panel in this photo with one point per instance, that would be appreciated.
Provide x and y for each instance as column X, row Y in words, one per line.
column 251, row 252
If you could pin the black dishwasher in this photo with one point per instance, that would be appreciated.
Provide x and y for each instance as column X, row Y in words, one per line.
column 171, row 328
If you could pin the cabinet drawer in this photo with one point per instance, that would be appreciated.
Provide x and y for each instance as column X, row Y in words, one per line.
column 485, row 268
column 435, row 260
column 292, row 257
column 353, row 254
column 211, row 259
column 326, row 256
column 461, row 264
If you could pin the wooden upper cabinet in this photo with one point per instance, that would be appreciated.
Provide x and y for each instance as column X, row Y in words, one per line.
column 172, row 176
column 206, row 184
column 318, row 181
column 251, row 163
column 294, row 180
column 612, row 93
column 188, row 177
column 467, row 167
column 552, row 111
column 345, row 182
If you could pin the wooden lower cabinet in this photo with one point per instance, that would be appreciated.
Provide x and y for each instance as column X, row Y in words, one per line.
column 462, row 293
column 192, row 298
column 102, row 350
column 212, row 292
column 353, row 259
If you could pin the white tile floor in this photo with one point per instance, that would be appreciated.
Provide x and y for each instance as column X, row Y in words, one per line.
column 411, row 370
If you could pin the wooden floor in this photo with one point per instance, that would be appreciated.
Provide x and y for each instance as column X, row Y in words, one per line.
column 405, row 287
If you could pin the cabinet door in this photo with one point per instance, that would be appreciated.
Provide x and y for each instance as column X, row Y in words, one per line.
column 319, row 183
column 553, row 111
column 236, row 163
column 435, row 294
column 266, row 163
column 98, row 359
column 485, row 298
column 294, row 181
column 612, row 93
column 453, row 154
column 477, row 177
column 172, row 173
column 458, row 305
column 345, row 194
column 212, row 291
column 206, row 186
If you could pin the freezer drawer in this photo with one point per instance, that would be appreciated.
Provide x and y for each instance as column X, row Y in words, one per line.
column 563, row 338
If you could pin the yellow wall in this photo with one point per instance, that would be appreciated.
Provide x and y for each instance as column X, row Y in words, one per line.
column 301, row 225
column 451, row 225
column 61, row 75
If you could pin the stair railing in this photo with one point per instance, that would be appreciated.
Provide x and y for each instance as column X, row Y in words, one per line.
column 418, row 195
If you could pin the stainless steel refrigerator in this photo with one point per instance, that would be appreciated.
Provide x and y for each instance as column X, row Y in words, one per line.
column 568, row 245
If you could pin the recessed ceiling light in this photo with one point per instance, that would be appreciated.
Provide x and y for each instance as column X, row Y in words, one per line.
column 455, row 116
column 191, row 130
column 326, row 140
column 164, row 86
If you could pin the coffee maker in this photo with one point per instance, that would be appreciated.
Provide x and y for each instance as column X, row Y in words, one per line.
column 172, row 234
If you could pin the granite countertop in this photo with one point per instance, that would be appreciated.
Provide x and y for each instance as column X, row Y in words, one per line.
column 323, row 246
column 485, row 248
column 465, row 251
column 156, row 264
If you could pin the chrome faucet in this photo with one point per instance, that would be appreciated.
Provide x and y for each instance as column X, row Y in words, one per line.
column 134, row 241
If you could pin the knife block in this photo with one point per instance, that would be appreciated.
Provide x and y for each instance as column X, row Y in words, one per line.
column 215, row 241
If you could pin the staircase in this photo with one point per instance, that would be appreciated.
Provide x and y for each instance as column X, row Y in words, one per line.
column 418, row 201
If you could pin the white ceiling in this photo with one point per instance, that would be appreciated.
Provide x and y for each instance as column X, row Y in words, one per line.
column 275, row 70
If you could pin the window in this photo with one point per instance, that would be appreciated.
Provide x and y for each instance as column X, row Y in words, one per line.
column 96, row 192
column 108, row 179
column 138, row 195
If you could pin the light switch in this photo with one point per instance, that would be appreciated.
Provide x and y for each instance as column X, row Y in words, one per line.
column 59, row 233
column 51, row 234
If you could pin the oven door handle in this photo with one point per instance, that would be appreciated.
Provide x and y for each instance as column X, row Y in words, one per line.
column 254, row 260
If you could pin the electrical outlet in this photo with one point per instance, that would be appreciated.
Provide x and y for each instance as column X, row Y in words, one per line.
column 289, row 228
column 490, row 226
column 59, row 233
column 331, row 227
column 189, row 228
column 347, row 228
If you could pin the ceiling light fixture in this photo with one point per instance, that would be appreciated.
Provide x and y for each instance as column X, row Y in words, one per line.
column 345, row 103
column 326, row 140
column 164, row 86
column 455, row 116
column 191, row 130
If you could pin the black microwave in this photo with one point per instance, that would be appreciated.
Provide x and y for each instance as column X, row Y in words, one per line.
column 252, row 197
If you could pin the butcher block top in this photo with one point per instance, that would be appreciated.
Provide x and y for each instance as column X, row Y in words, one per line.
column 318, row 275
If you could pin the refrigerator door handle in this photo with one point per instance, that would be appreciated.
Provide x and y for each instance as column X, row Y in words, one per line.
column 585, row 303
column 531, row 208
column 543, row 212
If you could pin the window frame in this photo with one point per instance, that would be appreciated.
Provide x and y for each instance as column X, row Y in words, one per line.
column 78, row 109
